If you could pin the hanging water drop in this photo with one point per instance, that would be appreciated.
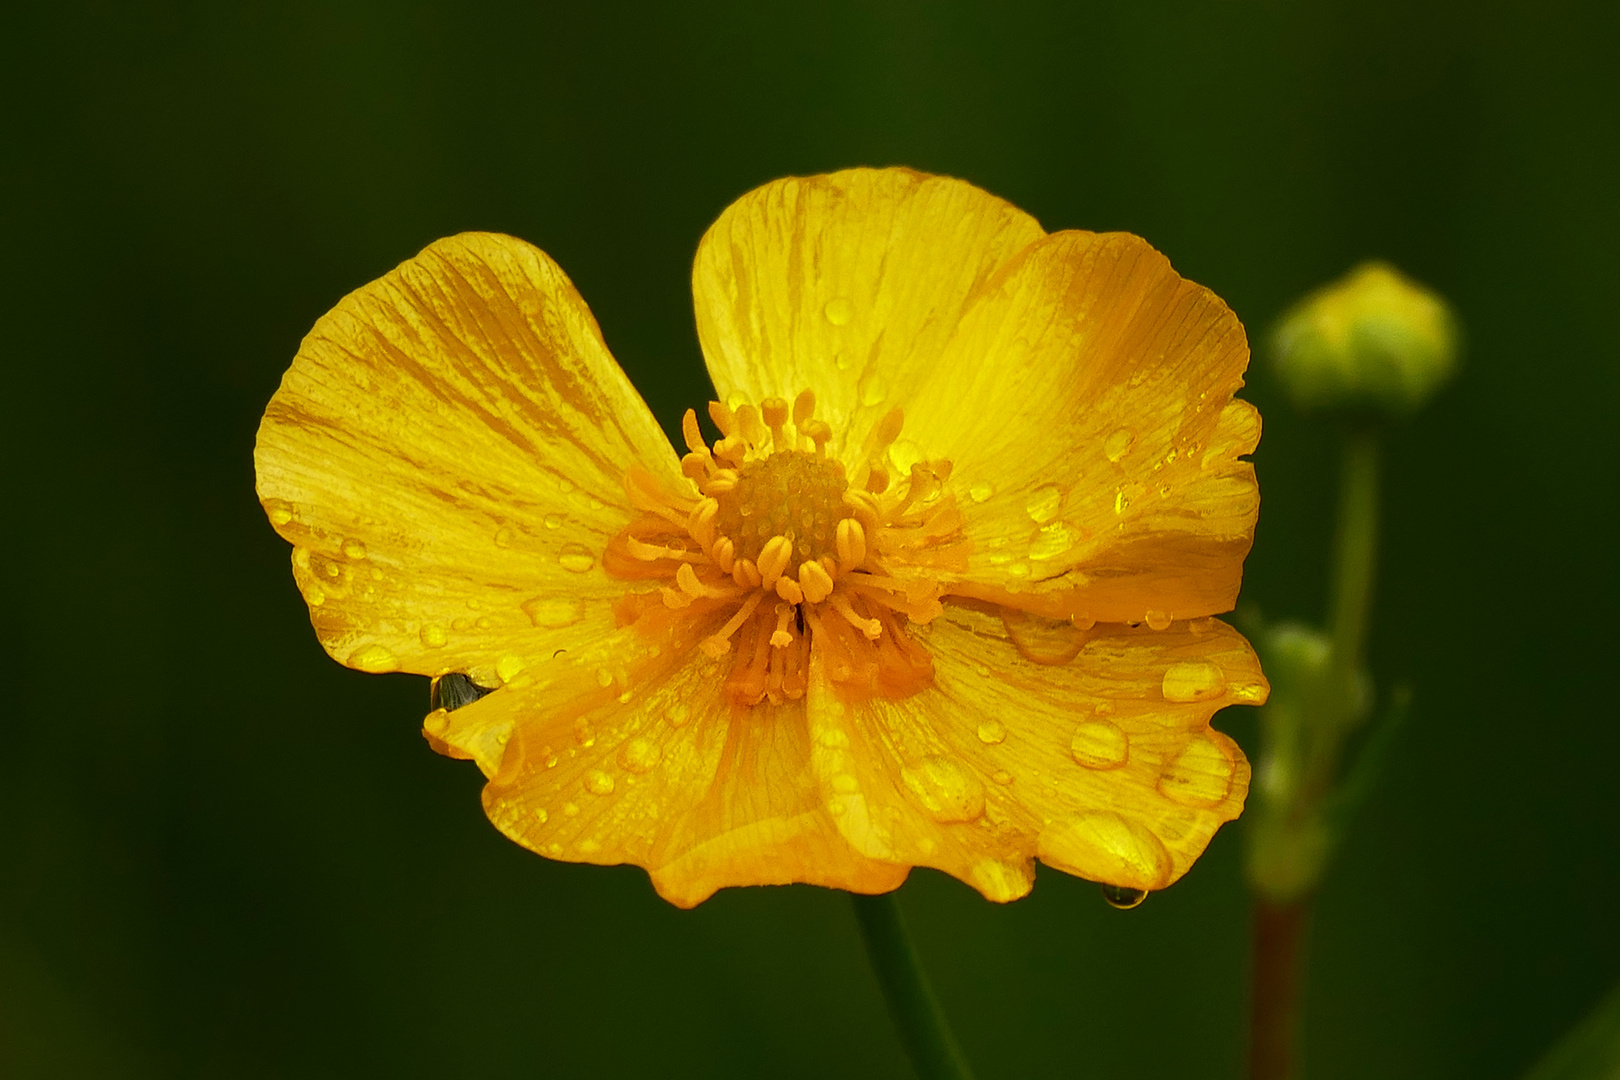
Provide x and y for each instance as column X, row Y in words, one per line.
column 1121, row 897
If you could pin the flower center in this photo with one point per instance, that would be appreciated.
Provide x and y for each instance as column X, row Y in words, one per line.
column 779, row 548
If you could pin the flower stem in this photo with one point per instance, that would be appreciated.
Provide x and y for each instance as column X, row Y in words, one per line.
column 915, row 1010
column 1355, row 557
column 1279, row 939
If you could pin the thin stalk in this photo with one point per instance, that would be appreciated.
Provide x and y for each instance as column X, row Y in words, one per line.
column 915, row 1010
column 1355, row 558
column 1279, row 941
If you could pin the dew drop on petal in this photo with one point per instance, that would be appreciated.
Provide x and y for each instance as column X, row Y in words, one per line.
column 588, row 846
column 679, row 713
column 1158, row 620
column 503, row 537
column 570, row 809
column 280, row 513
column 839, row 311
column 315, row 596
column 354, row 549
column 541, row 816
column 1042, row 640
column 508, row 667
column 1002, row 777
column 374, row 658
column 945, row 790
column 598, row 782
column 1099, row 744
column 1042, row 504
column 992, row 732
column 576, row 558
column 1193, row 680
column 873, row 392
column 640, row 755
column 1051, row 541
column 604, row 678
column 1123, row 898
column 1119, row 443
column 433, row 636
column 981, row 490
column 554, row 613
column 1199, row 775
column 554, row 521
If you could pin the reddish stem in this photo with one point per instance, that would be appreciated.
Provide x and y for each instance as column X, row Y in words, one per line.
column 1279, row 940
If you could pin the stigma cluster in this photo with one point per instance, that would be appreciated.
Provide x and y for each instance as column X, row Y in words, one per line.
column 777, row 544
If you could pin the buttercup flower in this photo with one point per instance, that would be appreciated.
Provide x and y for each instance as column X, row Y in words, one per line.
column 938, row 593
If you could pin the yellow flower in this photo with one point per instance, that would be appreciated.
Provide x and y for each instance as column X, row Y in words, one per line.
column 937, row 595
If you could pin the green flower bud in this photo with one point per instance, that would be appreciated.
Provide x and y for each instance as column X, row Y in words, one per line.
column 1372, row 342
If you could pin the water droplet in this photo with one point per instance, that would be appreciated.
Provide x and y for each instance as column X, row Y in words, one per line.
column 1105, row 846
column 981, row 490
column 1052, row 540
column 554, row 521
column 1041, row 640
column 280, row 513
column 314, row 596
column 374, row 658
column 1248, row 691
column 565, row 485
column 503, row 537
column 1193, row 680
column 576, row 558
column 433, row 636
column 598, row 782
column 508, row 667
column 604, row 678
column 873, row 392
column 1121, row 897
column 1119, row 443
column 945, row 790
column 1122, row 501
column 845, row 784
column 839, row 311
column 992, row 732
column 541, row 816
column 1002, row 776
column 639, row 755
column 905, row 453
column 1158, row 620
column 1043, row 503
column 551, row 761
column 554, row 613
column 354, row 549
column 624, row 698
column 484, row 623
column 679, row 713
column 588, row 846
column 1098, row 744
column 833, row 739
column 570, row 809
column 1200, row 775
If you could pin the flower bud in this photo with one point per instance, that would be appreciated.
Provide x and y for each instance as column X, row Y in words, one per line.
column 1372, row 342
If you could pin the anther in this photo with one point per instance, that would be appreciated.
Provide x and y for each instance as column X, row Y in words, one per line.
column 724, row 554
column 701, row 523
column 789, row 590
column 804, row 407
column 690, row 432
column 888, row 429
column 745, row 573
column 851, row 544
column 723, row 417
column 815, row 582
column 748, row 424
column 820, row 433
column 774, row 558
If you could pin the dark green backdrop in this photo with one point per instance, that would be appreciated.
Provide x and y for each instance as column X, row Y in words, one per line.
column 222, row 855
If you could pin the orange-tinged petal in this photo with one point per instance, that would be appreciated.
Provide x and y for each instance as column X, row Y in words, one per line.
column 644, row 762
column 847, row 284
column 1086, row 405
column 447, row 454
column 1103, row 765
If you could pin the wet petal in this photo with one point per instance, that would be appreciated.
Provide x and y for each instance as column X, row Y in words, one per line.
column 1086, row 403
column 645, row 763
column 1103, row 766
column 447, row 455
column 847, row 284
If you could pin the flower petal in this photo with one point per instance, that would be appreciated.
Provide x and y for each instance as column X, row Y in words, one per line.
column 1103, row 765
column 447, row 455
column 847, row 284
column 648, row 765
column 1086, row 404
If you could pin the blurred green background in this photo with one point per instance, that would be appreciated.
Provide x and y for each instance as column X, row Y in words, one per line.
column 222, row 855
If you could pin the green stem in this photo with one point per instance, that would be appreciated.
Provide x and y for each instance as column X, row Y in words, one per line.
column 912, row 1004
column 1355, row 556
